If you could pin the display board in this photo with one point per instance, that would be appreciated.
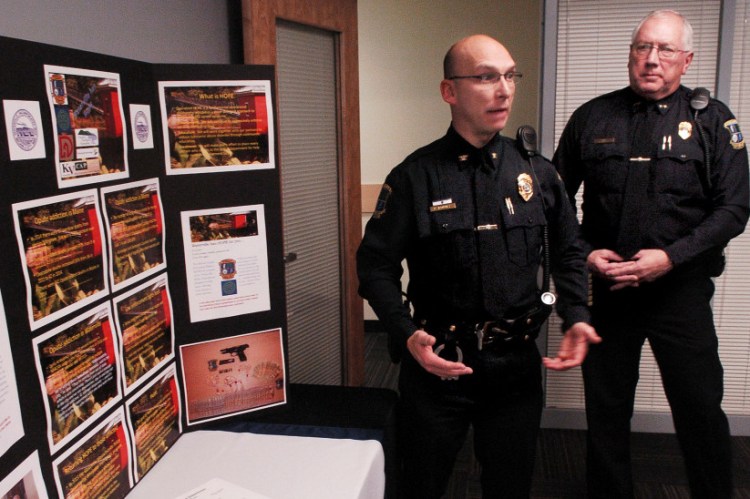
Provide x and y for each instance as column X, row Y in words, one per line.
column 141, row 275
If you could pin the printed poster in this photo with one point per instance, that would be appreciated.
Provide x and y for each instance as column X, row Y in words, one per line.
column 226, row 262
column 98, row 465
column 88, row 125
column 25, row 482
column 134, row 218
column 217, row 126
column 154, row 416
column 234, row 375
column 11, row 424
column 78, row 374
column 61, row 244
column 144, row 324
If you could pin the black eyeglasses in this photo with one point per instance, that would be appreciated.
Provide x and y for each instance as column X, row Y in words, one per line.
column 491, row 78
column 642, row 50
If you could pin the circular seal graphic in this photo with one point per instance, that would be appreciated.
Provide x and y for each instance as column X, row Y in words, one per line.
column 141, row 126
column 25, row 131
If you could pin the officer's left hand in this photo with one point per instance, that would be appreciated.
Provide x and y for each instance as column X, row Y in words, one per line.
column 574, row 347
column 647, row 265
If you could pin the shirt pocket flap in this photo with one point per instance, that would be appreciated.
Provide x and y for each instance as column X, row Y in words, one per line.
column 437, row 220
column 599, row 151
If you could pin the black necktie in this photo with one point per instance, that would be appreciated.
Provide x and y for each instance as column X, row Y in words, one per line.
column 489, row 180
column 636, row 203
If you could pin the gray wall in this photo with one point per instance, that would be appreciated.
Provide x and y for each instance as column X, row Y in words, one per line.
column 157, row 31
column 401, row 49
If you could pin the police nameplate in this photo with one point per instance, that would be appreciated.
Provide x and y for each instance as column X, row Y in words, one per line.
column 442, row 207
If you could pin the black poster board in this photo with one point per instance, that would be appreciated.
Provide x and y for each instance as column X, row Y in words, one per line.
column 28, row 180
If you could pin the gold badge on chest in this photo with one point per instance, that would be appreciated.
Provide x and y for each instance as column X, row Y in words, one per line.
column 525, row 186
column 685, row 130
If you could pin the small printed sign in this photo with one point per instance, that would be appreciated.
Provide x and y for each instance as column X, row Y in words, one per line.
column 23, row 122
column 140, row 123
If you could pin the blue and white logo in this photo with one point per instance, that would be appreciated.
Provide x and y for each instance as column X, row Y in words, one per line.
column 141, row 126
column 25, row 130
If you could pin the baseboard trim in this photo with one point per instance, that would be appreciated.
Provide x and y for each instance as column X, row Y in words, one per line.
column 642, row 422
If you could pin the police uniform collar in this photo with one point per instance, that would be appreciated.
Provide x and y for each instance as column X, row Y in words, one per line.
column 662, row 106
column 467, row 155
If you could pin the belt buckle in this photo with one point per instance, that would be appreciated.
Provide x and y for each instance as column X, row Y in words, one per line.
column 481, row 331
column 483, row 328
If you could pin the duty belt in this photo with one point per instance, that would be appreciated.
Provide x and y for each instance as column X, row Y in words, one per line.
column 488, row 333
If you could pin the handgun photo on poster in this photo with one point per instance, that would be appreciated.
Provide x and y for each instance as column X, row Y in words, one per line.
column 234, row 375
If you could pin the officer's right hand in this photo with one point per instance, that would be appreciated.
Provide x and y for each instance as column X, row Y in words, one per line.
column 420, row 346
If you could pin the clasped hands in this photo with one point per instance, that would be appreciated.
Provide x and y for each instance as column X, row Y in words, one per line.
column 645, row 266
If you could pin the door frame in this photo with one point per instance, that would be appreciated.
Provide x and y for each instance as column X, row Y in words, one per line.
column 259, row 19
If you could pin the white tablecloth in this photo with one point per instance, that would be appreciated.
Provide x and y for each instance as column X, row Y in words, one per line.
column 276, row 466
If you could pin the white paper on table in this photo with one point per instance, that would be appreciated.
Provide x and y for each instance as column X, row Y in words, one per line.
column 217, row 488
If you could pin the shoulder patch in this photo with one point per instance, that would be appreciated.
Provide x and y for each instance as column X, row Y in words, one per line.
column 380, row 205
column 736, row 139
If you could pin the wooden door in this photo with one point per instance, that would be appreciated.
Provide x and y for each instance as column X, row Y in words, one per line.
column 261, row 19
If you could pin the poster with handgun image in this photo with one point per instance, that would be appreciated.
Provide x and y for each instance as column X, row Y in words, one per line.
column 88, row 125
column 77, row 364
column 234, row 375
column 133, row 215
column 226, row 262
column 154, row 418
column 60, row 240
column 217, row 126
column 98, row 465
column 143, row 317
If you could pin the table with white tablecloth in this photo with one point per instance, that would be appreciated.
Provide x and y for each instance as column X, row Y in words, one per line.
column 274, row 466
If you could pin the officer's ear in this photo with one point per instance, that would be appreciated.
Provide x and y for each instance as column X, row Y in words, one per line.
column 686, row 63
column 448, row 91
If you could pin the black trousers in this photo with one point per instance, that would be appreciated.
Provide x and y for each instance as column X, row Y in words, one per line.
column 675, row 316
column 501, row 400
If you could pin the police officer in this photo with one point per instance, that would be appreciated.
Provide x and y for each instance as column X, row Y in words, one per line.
column 665, row 189
column 468, row 213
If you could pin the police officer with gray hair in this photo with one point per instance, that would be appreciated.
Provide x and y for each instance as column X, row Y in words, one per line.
column 665, row 187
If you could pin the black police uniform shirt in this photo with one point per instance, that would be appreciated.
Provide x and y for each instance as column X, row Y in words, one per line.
column 689, row 220
column 469, row 223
